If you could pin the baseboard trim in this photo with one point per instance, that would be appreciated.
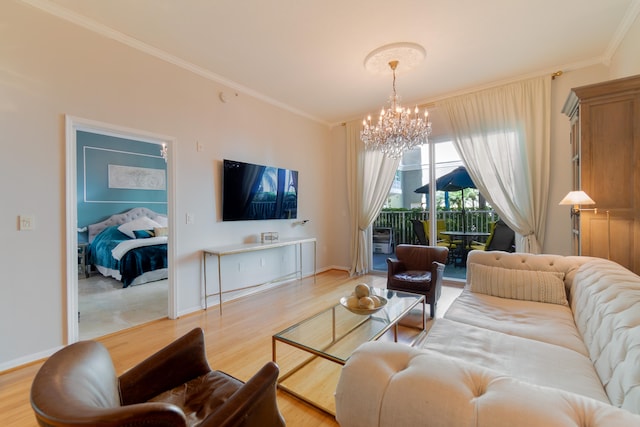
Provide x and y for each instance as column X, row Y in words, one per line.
column 27, row 360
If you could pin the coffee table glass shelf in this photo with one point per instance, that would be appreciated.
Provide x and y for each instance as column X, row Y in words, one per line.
column 311, row 353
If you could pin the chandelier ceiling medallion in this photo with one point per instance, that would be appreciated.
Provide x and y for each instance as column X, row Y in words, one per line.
column 398, row 129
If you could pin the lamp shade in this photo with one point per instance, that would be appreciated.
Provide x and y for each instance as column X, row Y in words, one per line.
column 577, row 198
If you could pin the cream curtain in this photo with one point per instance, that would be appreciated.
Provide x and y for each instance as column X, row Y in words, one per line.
column 503, row 136
column 369, row 178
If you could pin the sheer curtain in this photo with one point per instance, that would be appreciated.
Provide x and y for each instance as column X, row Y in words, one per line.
column 503, row 137
column 369, row 178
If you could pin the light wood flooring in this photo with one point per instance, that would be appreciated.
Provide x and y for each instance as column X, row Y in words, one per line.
column 238, row 342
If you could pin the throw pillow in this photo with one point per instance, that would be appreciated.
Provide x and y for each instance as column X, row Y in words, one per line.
column 143, row 234
column 142, row 223
column 161, row 231
column 527, row 285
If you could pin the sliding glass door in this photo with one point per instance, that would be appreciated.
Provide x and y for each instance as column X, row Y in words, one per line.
column 411, row 204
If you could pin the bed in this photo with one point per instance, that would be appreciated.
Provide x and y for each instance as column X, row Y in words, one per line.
column 130, row 247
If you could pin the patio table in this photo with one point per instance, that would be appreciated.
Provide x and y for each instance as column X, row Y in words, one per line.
column 467, row 237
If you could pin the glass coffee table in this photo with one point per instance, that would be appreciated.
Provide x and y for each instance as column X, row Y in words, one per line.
column 311, row 353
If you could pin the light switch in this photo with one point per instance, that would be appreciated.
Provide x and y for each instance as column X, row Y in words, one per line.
column 199, row 146
column 26, row 222
column 191, row 218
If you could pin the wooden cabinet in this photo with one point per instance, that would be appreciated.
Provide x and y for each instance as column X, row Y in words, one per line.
column 605, row 141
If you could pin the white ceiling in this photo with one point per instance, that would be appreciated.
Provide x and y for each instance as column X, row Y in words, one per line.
column 307, row 55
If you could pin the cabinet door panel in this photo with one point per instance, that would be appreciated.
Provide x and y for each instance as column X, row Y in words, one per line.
column 613, row 239
column 608, row 154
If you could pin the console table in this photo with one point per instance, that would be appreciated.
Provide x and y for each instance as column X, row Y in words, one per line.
column 221, row 251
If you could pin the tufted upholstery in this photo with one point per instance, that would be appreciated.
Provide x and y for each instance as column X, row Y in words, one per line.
column 498, row 361
column 606, row 306
column 438, row 390
column 605, row 302
column 563, row 264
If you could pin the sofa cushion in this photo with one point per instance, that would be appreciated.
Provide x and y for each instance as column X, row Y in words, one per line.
column 527, row 285
column 201, row 396
column 550, row 323
column 413, row 276
column 531, row 361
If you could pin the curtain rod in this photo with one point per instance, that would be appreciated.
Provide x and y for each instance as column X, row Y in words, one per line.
column 433, row 104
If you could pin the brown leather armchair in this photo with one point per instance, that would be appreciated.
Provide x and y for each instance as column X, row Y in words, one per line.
column 418, row 269
column 78, row 386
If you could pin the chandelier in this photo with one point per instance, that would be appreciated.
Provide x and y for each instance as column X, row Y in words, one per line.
column 398, row 129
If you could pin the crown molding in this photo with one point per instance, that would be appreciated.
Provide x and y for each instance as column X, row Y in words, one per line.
column 108, row 32
column 623, row 28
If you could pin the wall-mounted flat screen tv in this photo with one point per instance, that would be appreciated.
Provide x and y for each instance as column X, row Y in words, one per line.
column 253, row 192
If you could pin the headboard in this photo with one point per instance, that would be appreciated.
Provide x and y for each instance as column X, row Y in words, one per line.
column 121, row 218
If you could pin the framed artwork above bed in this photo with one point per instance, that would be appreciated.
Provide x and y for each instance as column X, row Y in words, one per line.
column 137, row 178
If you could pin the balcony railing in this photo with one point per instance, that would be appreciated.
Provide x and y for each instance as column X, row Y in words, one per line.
column 400, row 221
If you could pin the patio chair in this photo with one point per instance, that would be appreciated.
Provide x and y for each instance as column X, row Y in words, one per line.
column 502, row 238
column 420, row 234
column 420, row 229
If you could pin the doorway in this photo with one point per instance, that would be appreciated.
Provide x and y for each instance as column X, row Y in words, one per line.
column 74, row 125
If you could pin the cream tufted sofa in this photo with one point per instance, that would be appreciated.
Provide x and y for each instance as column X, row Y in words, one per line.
column 496, row 361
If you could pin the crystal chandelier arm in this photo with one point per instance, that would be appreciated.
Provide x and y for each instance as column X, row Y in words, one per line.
column 394, row 65
column 396, row 130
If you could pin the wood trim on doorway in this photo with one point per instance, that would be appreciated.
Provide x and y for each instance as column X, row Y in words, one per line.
column 72, row 126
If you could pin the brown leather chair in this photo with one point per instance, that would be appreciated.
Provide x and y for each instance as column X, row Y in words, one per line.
column 418, row 269
column 78, row 386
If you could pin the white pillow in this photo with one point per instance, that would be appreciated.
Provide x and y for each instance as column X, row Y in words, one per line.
column 142, row 223
column 162, row 220
column 527, row 285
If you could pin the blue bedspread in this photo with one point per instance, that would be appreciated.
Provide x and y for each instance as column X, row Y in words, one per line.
column 134, row 263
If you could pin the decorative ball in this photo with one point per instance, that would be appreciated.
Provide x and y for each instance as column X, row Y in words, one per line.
column 352, row 302
column 366, row 302
column 362, row 290
column 376, row 301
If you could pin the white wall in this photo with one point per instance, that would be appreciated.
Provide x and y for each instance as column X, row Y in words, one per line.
column 340, row 226
column 626, row 60
column 50, row 68
column 557, row 239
